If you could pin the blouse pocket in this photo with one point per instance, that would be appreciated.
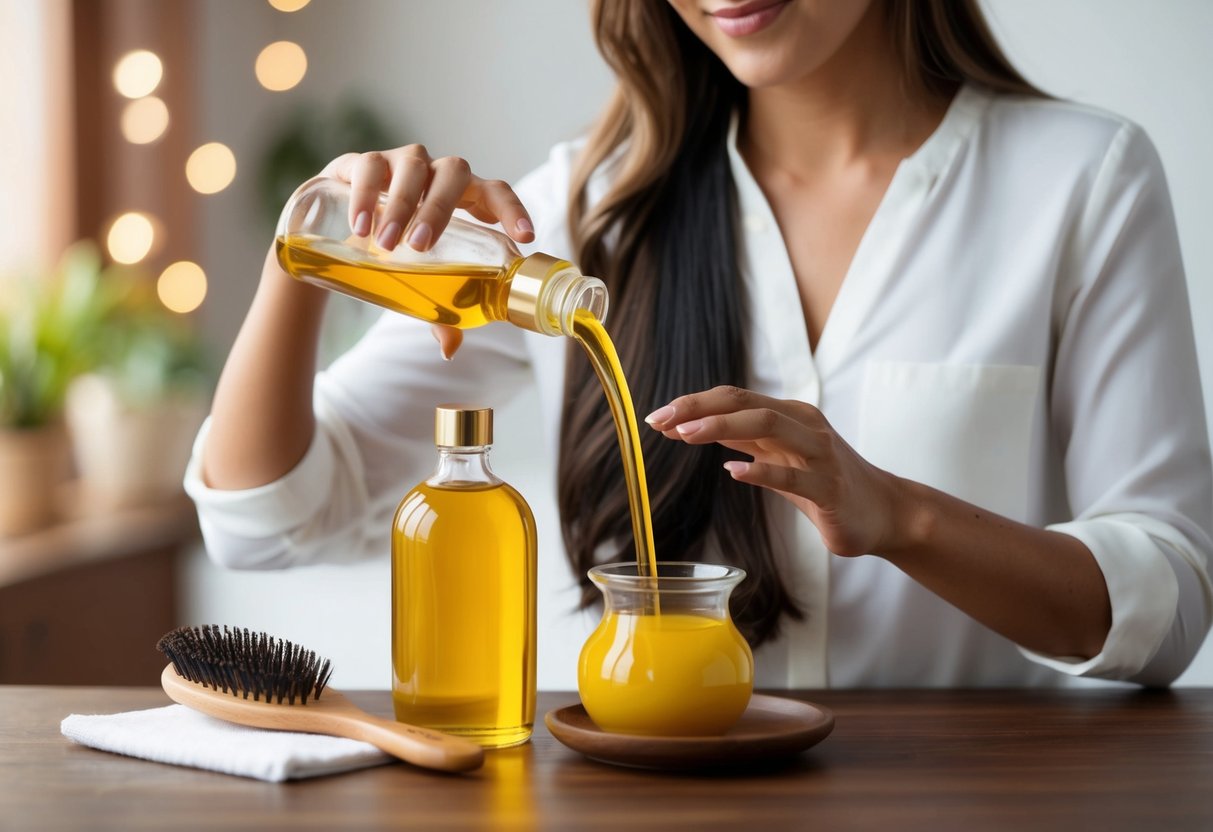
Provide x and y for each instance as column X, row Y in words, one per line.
column 965, row 429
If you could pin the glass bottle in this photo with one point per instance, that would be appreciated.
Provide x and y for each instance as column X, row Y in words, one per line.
column 666, row 659
column 463, row 593
column 472, row 275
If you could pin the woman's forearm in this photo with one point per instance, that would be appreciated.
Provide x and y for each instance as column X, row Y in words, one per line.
column 261, row 418
column 1041, row 589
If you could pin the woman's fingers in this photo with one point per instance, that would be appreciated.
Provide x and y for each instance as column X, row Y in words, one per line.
column 744, row 420
column 492, row 200
column 449, row 179
column 726, row 399
column 448, row 339
column 422, row 194
column 369, row 175
column 796, row 453
column 342, row 167
column 796, row 482
column 410, row 173
column 768, row 429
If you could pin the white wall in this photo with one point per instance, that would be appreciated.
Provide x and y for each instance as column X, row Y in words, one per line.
column 476, row 78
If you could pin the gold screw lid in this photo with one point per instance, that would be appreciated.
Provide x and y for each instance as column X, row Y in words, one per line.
column 523, row 308
column 462, row 425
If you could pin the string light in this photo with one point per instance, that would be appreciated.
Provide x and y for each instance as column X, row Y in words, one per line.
column 181, row 287
column 138, row 73
column 211, row 168
column 144, row 120
column 130, row 237
column 281, row 65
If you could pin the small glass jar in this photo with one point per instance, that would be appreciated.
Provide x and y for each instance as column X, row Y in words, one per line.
column 666, row 659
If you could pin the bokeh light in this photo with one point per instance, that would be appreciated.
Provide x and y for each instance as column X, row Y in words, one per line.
column 281, row 65
column 182, row 286
column 144, row 120
column 138, row 73
column 289, row 5
column 211, row 168
column 130, row 237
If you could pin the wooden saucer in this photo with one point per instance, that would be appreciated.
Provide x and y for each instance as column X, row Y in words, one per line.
column 770, row 728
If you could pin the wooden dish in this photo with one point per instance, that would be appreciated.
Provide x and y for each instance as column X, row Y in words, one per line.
column 770, row 728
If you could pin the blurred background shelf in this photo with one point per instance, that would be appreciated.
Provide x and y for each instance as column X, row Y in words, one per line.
column 84, row 601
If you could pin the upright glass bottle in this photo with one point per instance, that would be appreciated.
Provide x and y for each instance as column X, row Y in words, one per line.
column 471, row 276
column 463, row 593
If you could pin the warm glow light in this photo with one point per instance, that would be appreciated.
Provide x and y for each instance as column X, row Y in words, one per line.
column 281, row 65
column 137, row 73
column 182, row 286
column 144, row 120
column 130, row 237
column 211, row 168
column 289, row 5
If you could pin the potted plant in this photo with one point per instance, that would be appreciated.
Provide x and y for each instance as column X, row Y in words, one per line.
column 46, row 327
column 133, row 417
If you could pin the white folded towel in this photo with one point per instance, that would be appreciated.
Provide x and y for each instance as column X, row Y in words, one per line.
column 178, row 735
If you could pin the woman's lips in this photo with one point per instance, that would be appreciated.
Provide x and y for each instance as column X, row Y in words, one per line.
column 746, row 20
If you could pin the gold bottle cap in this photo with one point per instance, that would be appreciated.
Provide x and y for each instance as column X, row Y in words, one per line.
column 522, row 303
column 462, row 425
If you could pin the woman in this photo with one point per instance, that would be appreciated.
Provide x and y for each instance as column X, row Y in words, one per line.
column 882, row 297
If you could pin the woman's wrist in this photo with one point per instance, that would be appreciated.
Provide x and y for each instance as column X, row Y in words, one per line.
column 282, row 289
column 914, row 517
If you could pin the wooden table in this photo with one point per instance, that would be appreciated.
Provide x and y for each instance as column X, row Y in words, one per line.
column 973, row 760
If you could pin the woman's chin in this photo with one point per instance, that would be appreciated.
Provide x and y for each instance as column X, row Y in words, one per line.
column 760, row 70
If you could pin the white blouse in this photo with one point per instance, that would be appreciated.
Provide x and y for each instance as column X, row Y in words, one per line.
column 1014, row 329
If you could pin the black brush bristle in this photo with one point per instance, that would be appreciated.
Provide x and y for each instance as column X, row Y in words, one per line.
column 246, row 664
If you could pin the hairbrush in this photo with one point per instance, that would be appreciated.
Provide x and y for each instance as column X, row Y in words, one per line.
column 256, row 680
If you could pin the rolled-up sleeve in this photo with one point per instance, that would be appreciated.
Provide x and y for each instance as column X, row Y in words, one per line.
column 271, row 526
column 1128, row 413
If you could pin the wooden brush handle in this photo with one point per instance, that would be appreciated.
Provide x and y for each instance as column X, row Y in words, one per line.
column 334, row 715
column 419, row 746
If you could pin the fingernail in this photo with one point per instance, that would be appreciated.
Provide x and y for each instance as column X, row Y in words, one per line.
column 523, row 226
column 687, row 428
column 661, row 414
column 390, row 235
column 441, row 345
column 420, row 237
column 362, row 223
column 734, row 467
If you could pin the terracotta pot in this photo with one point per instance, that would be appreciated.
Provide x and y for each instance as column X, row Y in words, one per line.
column 33, row 464
column 129, row 455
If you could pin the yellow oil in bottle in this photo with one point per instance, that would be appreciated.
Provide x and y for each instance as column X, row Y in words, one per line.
column 463, row 606
column 452, row 294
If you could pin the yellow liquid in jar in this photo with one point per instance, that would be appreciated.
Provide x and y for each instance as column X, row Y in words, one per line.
column 463, row 596
column 462, row 296
column 674, row 674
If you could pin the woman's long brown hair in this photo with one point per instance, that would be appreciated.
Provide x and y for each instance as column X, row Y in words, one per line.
column 663, row 238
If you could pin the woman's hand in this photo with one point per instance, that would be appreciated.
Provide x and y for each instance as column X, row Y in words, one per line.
column 1039, row 588
column 856, row 506
column 423, row 193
